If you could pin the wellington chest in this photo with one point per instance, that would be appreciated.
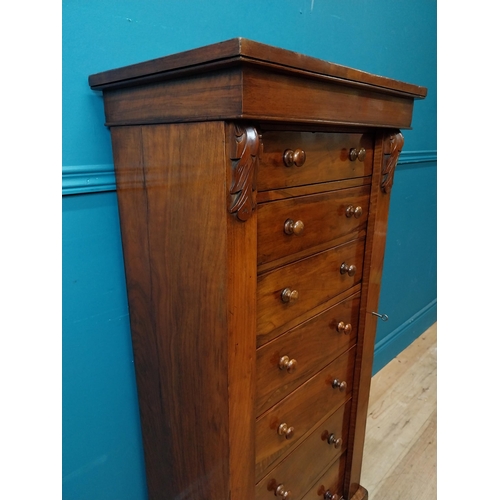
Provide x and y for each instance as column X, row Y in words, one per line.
column 253, row 187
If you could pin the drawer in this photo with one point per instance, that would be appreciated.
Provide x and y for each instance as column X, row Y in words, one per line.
column 286, row 295
column 331, row 483
column 288, row 361
column 289, row 226
column 327, row 158
column 301, row 411
column 298, row 472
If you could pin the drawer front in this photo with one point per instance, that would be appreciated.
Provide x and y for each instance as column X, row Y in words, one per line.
column 289, row 226
column 302, row 410
column 288, row 361
column 291, row 291
column 327, row 158
column 330, row 483
column 298, row 472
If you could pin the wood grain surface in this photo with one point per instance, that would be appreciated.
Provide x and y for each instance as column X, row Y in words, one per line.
column 330, row 481
column 326, row 158
column 323, row 216
column 317, row 279
column 312, row 344
column 203, row 192
column 302, row 409
column 241, row 49
column 181, row 250
column 304, row 465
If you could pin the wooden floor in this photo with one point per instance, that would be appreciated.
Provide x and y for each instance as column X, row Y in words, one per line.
column 400, row 448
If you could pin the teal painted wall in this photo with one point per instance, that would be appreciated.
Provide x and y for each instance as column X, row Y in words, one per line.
column 102, row 449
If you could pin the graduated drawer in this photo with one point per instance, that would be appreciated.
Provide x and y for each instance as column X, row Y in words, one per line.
column 301, row 410
column 306, row 284
column 330, row 483
column 298, row 472
column 288, row 361
column 286, row 227
column 327, row 158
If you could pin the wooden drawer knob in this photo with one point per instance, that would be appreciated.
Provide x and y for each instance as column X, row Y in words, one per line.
column 289, row 295
column 350, row 270
column 287, row 364
column 359, row 154
column 291, row 158
column 344, row 328
column 341, row 386
column 330, row 496
column 337, row 442
column 294, row 227
column 356, row 211
column 285, row 430
column 281, row 492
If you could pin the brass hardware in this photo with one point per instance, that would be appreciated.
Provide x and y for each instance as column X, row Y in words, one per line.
column 291, row 158
column 288, row 364
column 281, row 492
column 359, row 154
column 383, row 317
column 284, row 430
column 356, row 211
column 341, row 386
column 344, row 328
column 294, row 227
column 337, row 442
column 289, row 295
column 350, row 270
column 331, row 496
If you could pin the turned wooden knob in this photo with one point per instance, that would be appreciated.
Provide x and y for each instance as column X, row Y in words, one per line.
column 285, row 430
column 281, row 492
column 294, row 227
column 287, row 364
column 337, row 442
column 330, row 496
column 344, row 328
column 340, row 385
column 350, row 270
column 356, row 211
column 359, row 154
column 291, row 158
column 289, row 295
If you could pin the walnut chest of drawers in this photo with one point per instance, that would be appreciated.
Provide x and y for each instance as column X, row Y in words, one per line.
column 253, row 187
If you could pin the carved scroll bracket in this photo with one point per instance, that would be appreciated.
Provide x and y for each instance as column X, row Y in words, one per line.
column 393, row 144
column 245, row 151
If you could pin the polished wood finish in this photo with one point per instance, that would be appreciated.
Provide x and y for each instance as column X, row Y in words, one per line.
column 330, row 482
column 317, row 280
column 323, row 216
column 236, row 80
column 198, row 60
column 185, row 354
column 302, row 409
column 326, row 158
column 377, row 231
column 253, row 186
column 313, row 344
column 301, row 468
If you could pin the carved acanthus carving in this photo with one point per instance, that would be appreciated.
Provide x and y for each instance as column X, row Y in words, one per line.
column 245, row 159
column 393, row 145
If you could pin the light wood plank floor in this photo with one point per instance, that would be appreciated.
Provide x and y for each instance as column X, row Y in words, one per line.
column 400, row 447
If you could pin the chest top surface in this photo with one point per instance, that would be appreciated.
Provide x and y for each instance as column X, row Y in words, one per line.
column 243, row 79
